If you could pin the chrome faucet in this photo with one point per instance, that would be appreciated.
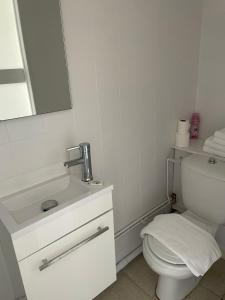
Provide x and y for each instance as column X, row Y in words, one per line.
column 84, row 160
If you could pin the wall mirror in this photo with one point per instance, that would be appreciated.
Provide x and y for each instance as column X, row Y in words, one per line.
column 33, row 67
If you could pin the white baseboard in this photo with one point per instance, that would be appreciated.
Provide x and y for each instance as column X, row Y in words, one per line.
column 122, row 264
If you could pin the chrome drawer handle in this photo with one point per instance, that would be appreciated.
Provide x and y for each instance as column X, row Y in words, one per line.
column 46, row 263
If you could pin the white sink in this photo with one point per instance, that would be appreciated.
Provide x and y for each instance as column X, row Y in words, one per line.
column 26, row 205
column 23, row 208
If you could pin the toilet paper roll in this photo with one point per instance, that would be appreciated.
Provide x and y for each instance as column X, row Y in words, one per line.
column 183, row 126
column 182, row 140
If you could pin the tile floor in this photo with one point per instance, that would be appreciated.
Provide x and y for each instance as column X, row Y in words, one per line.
column 137, row 282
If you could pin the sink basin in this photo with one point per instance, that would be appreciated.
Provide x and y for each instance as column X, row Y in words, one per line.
column 26, row 207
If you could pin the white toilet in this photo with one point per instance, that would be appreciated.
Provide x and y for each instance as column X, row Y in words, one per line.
column 203, row 190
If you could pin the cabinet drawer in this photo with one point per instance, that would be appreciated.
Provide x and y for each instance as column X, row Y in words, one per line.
column 49, row 231
column 77, row 267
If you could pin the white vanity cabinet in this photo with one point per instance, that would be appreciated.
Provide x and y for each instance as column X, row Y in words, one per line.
column 67, row 253
column 84, row 264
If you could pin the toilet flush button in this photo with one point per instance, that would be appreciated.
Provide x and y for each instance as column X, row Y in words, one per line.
column 212, row 161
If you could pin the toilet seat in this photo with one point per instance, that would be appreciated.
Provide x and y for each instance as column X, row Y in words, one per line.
column 176, row 280
column 160, row 266
column 162, row 251
column 166, row 255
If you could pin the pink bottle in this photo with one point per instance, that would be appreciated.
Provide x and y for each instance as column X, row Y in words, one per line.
column 195, row 126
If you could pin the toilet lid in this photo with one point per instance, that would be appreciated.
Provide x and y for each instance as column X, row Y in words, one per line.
column 163, row 252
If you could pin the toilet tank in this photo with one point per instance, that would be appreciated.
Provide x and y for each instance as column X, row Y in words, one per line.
column 203, row 187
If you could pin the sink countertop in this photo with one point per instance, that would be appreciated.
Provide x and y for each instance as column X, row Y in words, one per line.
column 70, row 196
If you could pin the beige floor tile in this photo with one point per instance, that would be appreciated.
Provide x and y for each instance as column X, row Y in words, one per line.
column 201, row 293
column 214, row 280
column 123, row 289
column 141, row 274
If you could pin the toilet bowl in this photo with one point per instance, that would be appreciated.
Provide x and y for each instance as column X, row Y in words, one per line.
column 175, row 281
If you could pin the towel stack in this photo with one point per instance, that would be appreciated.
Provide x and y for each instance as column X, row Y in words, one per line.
column 216, row 144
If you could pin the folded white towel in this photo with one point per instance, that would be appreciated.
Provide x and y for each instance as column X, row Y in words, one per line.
column 213, row 151
column 218, row 141
column 196, row 247
column 220, row 134
column 210, row 142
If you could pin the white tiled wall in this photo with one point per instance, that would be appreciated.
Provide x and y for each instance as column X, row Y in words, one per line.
column 35, row 142
column 133, row 66
column 211, row 88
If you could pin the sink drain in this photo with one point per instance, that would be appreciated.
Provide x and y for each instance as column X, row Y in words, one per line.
column 48, row 204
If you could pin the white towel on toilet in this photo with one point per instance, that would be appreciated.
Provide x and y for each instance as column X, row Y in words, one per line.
column 218, row 141
column 196, row 247
column 220, row 134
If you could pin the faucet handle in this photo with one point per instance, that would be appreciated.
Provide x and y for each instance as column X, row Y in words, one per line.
column 72, row 148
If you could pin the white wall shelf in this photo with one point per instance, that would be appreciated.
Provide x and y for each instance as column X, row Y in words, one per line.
column 196, row 147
